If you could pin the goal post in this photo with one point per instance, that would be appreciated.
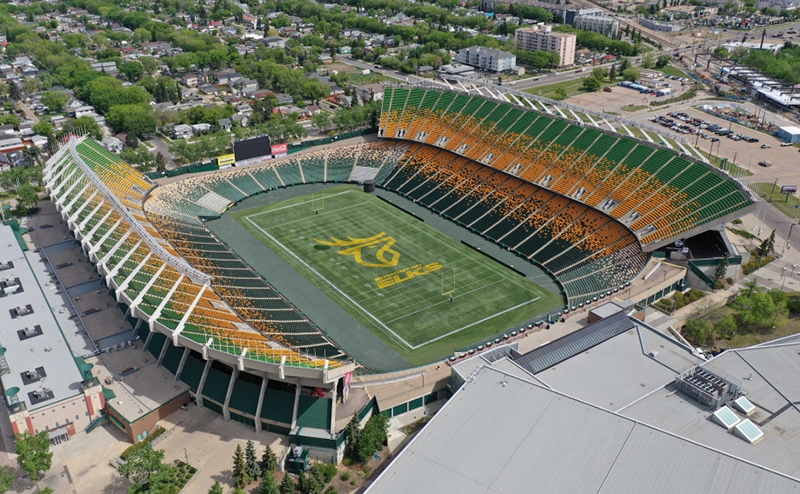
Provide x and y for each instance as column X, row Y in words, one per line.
column 449, row 284
column 317, row 202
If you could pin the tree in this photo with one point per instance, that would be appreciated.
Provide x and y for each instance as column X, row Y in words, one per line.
column 612, row 73
column 142, row 464
column 26, row 199
column 136, row 119
column 216, row 488
column 7, row 480
column 722, row 268
column 698, row 330
column 663, row 61
column 353, row 438
column 240, row 468
column 599, row 74
column 160, row 162
column 631, row 75
column 32, row 155
column 141, row 35
column 43, row 128
column 767, row 246
column 82, row 126
column 561, row 93
column 315, row 90
column 55, row 100
column 591, row 84
column 322, row 120
column 624, row 65
column 131, row 70
column 647, row 61
column 14, row 92
column 131, row 141
column 251, row 461
column 269, row 460
column 149, row 65
column 726, row 327
column 287, row 485
column 268, row 485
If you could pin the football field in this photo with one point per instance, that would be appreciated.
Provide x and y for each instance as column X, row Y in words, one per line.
column 421, row 291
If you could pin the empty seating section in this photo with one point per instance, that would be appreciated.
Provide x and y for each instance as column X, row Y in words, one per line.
column 560, row 234
column 341, row 162
column 657, row 192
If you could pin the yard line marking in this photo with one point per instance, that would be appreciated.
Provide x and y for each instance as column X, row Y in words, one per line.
column 343, row 294
column 313, row 216
column 442, row 302
column 298, row 204
column 473, row 324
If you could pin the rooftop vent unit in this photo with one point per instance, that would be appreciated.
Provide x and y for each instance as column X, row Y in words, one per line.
column 41, row 392
column 24, row 309
column 11, row 281
column 29, row 331
column 6, row 265
column 707, row 387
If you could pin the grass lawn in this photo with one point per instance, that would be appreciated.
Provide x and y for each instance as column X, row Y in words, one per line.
column 572, row 88
column 634, row 107
column 734, row 170
column 418, row 289
column 785, row 203
column 672, row 70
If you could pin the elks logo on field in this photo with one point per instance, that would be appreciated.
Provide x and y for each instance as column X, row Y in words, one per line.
column 386, row 256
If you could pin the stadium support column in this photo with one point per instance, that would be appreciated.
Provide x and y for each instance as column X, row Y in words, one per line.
column 333, row 407
column 264, row 382
column 148, row 340
column 136, row 328
column 296, row 405
column 164, row 349
column 202, row 383
column 226, row 411
column 182, row 363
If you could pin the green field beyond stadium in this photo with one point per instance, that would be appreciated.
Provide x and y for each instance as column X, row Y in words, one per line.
column 422, row 292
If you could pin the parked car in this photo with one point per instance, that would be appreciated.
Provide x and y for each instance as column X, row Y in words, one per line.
column 765, row 146
column 765, row 163
column 784, row 144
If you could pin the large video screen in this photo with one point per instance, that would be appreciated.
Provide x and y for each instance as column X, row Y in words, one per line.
column 252, row 148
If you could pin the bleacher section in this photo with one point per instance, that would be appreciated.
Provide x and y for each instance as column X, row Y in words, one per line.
column 589, row 252
column 657, row 193
column 134, row 256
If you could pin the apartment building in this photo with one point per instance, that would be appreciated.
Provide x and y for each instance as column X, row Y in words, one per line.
column 541, row 37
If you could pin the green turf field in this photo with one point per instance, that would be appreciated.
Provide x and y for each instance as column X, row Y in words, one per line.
column 424, row 293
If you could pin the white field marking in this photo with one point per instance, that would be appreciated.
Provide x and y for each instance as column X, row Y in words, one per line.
column 298, row 204
column 474, row 323
column 332, row 285
column 330, row 211
column 356, row 304
column 442, row 302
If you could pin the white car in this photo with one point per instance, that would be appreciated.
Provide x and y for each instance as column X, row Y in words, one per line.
column 784, row 144
column 765, row 146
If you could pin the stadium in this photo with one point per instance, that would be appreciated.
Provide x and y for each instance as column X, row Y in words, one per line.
column 496, row 213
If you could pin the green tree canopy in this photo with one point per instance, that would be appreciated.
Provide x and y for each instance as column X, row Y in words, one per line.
column 135, row 119
column 33, row 451
column 56, row 101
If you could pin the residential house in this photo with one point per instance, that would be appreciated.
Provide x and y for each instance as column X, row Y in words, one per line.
column 274, row 42
column 113, row 145
column 190, row 80
column 106, row 67
column 225, row 124
column 181, row 131
column 284, row 99
column 424, row 70
column 241, row 119
column 225, row 77
column 250, row 21
column 207, row 88
column 201, row 128
column 369, row 92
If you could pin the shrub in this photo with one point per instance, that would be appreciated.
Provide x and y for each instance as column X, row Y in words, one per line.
column 345, row 476
column 729, row 280
column 737, row 221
